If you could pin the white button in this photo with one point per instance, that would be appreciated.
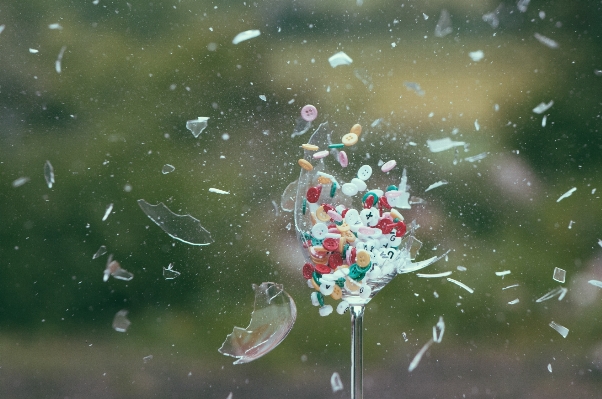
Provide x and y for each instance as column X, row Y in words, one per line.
column 349, row 189
column 365, row 291
column 314, row 298
column 319, row 231
column 325, row 310
column 352, row 217
column 369, row 216
column 342, row 307
column 359, row 183
column 326, row 288
column 364, row 172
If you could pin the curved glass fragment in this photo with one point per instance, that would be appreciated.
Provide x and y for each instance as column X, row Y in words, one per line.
column 184, row 228
column 272, row 319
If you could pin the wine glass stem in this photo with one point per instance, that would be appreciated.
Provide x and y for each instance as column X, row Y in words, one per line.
column 357, row 329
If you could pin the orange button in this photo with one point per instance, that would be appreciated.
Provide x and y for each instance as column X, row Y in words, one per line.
column 304, row 163
column 362, row 258
column 357, row 129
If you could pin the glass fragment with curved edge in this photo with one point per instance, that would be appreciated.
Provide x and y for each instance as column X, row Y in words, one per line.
column 184, row 228
column 272, row 319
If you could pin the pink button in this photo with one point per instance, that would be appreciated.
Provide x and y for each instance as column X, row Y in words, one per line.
column 343, row 160
column 388, row 166
column 309, row 113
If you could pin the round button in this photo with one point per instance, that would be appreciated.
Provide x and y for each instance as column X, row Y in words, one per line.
column 349, row 139
column 323, row 269
column 322, row 215
column 362, row 258
column 337, row 293
column 349, row 189
column 343, row 160
column 342, row 307
column 326, row 288
column 359, row 183
column 319, row 231
column 309, row 113
column 310, row 147
column 335, row 260
column 388, row 166
column 321, row 154
column 308, row 270
column 313, row 194
column 331, row 244
column 357, row 129
column 304, row 163
column 365, row 172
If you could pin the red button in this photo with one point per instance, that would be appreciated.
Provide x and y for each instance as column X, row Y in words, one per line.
column 335, row 260
column 323, row 269
column 330, row 244
column 382, row 201
column 313, row 194
column 309, row 113
column 327, row 207
column 401, row 229
column 369, row 202
column 385, row 225
column 308, row 270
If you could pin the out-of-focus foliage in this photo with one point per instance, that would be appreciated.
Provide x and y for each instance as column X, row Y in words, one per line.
column 134, row 72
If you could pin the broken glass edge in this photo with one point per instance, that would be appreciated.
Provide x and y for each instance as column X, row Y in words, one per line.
column 159, row 211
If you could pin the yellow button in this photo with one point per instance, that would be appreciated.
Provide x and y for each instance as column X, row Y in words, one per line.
column 349, row 139
column 323, row 180
column 313, row 282
column 395, row 214
column 337, row 293
column 322, row 215
column 351, row 286
column 343, row 227
column 349, row 236
column 342, row 242
column 304, row 163
column 311, row 147
column 362, row 258
column 357, row 129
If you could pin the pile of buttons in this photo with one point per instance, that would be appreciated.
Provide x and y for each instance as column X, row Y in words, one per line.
column 352, row 253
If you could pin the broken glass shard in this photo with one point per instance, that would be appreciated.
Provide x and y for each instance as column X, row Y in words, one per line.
column 114, row 269
column 120, row 321
column 435, row 185
column 434, row 275
column 522, row 5
column 459, row 284
column 443, row 144
column 59, row 59
column 167, row 168
column 599, row 242
column 49, row 174
column 503, row 273
column 492, row 17
column 184, row 228
column 444, row 25
column 510, row 286
column 55, row 26
column 544, row 121
column 272, row 319
column 514, row 301
column 169, row 273
column 414, row 87
column 562, row 330
column 339, row 58
column 364, row 77
column 246, row 35
column 596, row 283
column 107, row 212
column 550, row 367
column 301, row 127
column 101, row 251
column 414, row 363
column 218, row 191
column 567, row 194
column 543, row 107
column 147, row 359
column 477, row 157
column 560, row 291
column 335, row 382
column 438, row 330
column 20, row 181
column 196, row 126
column 476, row 56
column 546, row 41
column 287, row 202
column 559, row 274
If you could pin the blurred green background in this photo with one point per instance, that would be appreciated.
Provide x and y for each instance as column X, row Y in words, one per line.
column 133, row 73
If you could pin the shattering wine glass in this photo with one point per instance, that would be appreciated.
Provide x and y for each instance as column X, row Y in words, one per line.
column 353, row 236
